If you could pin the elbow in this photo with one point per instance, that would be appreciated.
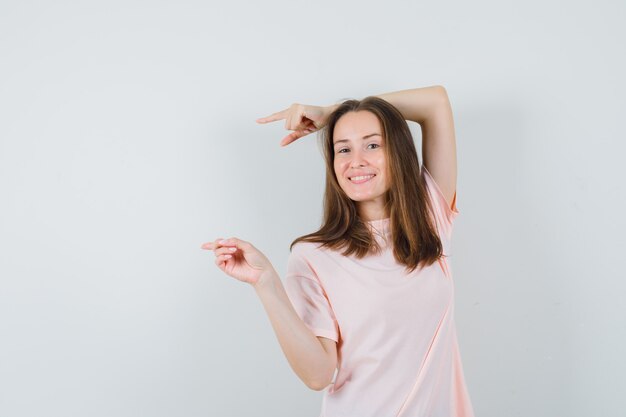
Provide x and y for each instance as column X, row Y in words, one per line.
column 441, row 92
column 440, row 99
column 318, row 386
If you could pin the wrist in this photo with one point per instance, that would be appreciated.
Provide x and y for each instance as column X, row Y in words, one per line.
column 267, row 281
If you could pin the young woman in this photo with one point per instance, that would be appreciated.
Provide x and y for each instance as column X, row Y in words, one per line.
column 370, row 294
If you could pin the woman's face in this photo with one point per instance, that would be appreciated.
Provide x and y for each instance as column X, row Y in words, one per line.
column 360, row 162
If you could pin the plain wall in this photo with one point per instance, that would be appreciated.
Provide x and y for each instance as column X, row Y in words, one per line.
column 128, row 139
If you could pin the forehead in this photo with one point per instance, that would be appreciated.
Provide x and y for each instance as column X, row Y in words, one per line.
column 354, row 125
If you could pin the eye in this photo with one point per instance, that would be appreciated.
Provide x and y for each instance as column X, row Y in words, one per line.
column 375, row 144
column 342, row 149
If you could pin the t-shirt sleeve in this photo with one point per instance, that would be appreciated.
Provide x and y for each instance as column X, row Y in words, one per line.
column 309, row 298
column 444, row 214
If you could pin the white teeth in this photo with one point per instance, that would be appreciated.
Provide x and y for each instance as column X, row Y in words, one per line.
column 362, row 177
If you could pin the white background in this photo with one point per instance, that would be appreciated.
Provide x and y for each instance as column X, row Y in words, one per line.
column 128, row 139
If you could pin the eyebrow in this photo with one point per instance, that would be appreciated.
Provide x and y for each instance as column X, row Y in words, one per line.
column 364, row 137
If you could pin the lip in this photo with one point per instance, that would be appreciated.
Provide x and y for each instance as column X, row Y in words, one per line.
column 361, row 181
column 360, row 174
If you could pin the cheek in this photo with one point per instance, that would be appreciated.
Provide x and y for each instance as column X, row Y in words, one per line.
column 383, row 170
column 382, row 164
column 339, row 167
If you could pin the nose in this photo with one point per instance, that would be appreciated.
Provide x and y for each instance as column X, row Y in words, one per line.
column 358, row 160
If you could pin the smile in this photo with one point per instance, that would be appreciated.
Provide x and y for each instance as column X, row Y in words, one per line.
column 361, row 179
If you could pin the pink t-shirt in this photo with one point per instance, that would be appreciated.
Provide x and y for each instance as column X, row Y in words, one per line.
column 398, row 354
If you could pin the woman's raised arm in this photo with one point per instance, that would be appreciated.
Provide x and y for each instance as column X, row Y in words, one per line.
column 430, row 107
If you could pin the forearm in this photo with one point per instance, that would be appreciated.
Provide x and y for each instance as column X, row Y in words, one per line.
column 303, row 350
column 417, row 104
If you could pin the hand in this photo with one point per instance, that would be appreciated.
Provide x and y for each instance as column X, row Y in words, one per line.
column 240, row 260
column 301, row 118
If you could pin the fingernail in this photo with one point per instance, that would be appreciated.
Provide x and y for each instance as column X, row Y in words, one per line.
column 222, row 242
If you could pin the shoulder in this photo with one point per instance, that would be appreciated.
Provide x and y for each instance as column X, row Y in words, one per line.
column 436, row 195
column 305, row 250
column 313, row 254
column 305, row 259
column 302, row 248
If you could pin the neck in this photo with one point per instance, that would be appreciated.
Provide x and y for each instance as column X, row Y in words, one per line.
column 373, row 215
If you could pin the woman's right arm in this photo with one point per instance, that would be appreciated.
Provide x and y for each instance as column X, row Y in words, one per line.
column 312, row 358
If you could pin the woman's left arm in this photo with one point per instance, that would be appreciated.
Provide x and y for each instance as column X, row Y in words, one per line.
column 431, row 109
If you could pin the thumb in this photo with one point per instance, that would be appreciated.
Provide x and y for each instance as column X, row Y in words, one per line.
column 292, row 137
column 233, row 241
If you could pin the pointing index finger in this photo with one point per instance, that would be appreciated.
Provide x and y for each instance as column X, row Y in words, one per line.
column 211, row 245
column 273, row 117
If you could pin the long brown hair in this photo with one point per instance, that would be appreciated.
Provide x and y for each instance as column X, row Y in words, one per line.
column 413, row 230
